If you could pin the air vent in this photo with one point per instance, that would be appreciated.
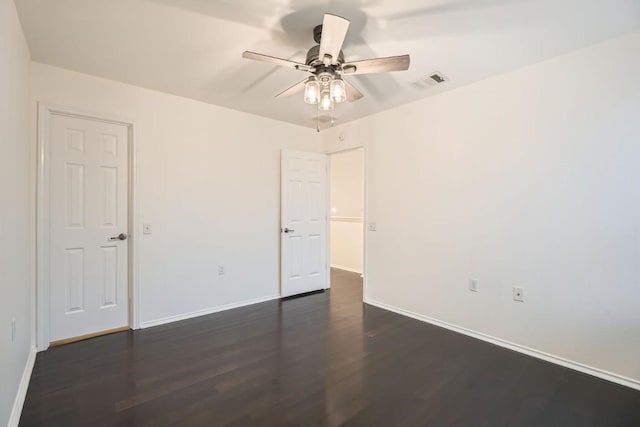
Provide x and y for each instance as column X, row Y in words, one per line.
column 430, row 80
column 438, row 77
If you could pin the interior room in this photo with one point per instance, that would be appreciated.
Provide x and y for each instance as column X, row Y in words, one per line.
column 320, row 213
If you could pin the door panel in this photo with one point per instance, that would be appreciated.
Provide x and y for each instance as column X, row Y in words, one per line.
column 109, row 199
column 304, row 222
column 74, row 280
column 109, row 267
column 88, row 207
column 74, row 198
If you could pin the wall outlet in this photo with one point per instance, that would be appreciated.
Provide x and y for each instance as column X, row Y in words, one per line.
column 518, row 294
column 146, row 228
column 221, row 270
column 13, row 330
column 473, row 285
column 372, row 226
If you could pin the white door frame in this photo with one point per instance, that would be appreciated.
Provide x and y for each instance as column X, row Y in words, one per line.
column 364, row 214
column 43, row 232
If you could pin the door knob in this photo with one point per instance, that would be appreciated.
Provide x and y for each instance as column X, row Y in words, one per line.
column 288, row 230
column 121, row 236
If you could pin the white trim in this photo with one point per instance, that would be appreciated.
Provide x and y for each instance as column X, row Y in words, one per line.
column 327, row 248
column 203, row 312
column 350, row 269
column 135, row 224
column 42, row 233
column 18, row 403
column 45, row 111
column 365, row 216
column 347, row 218
column 589, row 370
column 327, row 219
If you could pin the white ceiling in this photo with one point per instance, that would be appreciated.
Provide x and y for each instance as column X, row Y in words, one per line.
column 192, row 48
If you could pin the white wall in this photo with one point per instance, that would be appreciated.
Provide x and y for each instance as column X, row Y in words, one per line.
column 347, row 184
column 347, row 244
column 15, row 207
column 530, row 178
column 208, row 182
column 347, row 204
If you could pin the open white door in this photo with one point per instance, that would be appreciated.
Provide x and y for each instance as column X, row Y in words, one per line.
column 303, row 222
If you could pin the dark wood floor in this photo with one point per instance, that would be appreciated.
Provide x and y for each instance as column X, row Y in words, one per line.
column 324, row 359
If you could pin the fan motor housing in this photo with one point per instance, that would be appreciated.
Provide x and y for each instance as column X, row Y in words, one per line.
column 313, row 56
column 317, row 33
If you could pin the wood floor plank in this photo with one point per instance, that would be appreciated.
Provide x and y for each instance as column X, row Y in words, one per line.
column 325, row 359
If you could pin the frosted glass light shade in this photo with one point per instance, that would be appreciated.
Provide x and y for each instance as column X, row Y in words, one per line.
column 311, row 92
column 338, row 90
column 326, row 103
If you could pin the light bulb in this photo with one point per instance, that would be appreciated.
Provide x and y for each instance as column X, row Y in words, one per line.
column 326, row 103
column 311, row 92
column 338, row 90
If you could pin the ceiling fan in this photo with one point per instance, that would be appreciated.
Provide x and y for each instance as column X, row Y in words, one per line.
column 326, row 86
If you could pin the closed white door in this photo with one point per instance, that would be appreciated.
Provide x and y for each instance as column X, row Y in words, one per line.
column 303, row 222
column 88, row 226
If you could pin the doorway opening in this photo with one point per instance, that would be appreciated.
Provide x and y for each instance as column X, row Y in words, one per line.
column 347, row 204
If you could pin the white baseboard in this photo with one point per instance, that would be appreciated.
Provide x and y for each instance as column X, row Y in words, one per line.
column 605, row 375
column 342, row 267
column 184, row 316
column 18, row 403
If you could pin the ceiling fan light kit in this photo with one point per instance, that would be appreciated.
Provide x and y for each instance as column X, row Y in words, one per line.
column 326, row 64
column 312, row 91
column 328, row 91
column 326, row 102
column 338, row 90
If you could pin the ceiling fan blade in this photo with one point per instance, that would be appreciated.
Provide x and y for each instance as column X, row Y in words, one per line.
column 298, row 87
column 334, row 30
column 353, row 93
column 276, row 61
column 378, row 65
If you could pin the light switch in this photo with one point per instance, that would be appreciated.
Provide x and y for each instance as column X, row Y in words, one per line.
column 146, row 228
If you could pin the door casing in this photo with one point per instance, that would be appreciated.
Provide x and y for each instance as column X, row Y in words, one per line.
column 45, row 112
